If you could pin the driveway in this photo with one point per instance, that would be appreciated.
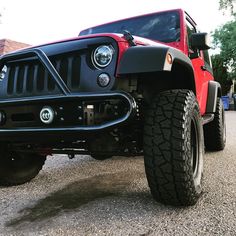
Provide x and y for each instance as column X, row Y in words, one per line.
column 88, row 197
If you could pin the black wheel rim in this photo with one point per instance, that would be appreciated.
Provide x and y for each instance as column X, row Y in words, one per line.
column 194, row 148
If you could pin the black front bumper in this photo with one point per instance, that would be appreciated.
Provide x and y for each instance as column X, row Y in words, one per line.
column 23, row 115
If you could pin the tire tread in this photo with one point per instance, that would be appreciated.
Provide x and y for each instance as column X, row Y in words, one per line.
column 167, row 167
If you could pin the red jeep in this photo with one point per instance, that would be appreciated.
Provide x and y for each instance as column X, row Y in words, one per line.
column 139, row 86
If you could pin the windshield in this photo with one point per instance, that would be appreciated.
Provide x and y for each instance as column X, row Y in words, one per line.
column 164, row 27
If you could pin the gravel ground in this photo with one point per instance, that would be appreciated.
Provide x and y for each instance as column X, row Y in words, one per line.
column 88, row 197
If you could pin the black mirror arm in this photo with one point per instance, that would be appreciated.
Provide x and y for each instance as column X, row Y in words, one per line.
column 194, row 54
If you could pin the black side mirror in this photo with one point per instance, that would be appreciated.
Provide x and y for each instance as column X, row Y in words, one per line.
column 200, row 41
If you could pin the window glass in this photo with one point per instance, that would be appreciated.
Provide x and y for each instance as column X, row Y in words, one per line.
column 164, row 27
column 190, row 30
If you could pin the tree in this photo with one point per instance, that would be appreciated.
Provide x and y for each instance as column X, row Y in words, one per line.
column 227, row 4
column 224, row 38
column 221, row 73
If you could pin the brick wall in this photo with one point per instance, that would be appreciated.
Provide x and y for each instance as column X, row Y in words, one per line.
column 7, row 45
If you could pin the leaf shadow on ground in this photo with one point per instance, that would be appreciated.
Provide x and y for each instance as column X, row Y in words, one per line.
column 75, row 195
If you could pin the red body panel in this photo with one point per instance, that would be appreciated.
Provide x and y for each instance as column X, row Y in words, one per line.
column 201, row 83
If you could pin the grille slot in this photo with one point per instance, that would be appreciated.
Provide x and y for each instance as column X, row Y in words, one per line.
column 26, row 78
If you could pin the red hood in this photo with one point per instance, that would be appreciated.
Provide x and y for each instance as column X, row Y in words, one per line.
column 117, row 37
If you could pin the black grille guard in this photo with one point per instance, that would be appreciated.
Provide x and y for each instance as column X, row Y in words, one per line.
column 66, row 94
column 45, row 62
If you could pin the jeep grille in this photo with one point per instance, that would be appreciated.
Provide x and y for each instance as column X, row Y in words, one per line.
column 27, row 78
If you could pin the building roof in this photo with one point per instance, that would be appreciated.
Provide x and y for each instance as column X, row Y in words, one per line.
column 7, row 45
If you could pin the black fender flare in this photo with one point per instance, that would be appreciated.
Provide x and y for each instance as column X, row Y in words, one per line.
column 145, row 59
column 214, row 91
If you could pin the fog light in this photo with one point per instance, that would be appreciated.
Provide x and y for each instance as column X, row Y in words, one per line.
column 47, row 115
column 2, row 118
column 103, row 80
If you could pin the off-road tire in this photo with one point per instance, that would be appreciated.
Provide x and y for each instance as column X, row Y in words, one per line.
column 19, row 168
column 173, row 148
column 215, row 131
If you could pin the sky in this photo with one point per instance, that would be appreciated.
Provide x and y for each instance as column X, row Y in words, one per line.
column 40, row 21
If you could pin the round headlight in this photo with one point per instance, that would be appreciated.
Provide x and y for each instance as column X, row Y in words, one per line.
column 102, row 56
